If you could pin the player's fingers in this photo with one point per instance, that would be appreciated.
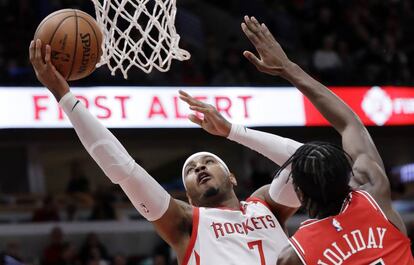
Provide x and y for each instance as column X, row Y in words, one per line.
column 37, row 61
column 187, row 99
column 185, row 96
column 203, row 110
column 253, row 59
column 48, row 56
column 193, row 118
column 32, row 51
column 183, row 93
column 255, row 22
column 249, row 23
column 255, row 25
column 38, row 51
column 192, row 101
column 250, row 35
column 48, row 59
column 269, row 36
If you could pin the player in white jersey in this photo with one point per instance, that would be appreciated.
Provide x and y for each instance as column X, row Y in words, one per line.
column 249, row 235
column 215, row 228
column 225, row 234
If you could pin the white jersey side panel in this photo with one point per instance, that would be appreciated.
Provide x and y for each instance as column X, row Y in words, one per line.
column 251, row 235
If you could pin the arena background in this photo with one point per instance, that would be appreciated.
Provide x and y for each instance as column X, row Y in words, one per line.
column 57, row 207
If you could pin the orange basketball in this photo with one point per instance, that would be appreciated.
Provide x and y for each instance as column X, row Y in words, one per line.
column 75, row 39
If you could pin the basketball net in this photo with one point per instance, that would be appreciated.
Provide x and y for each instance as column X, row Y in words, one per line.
column 138, row 33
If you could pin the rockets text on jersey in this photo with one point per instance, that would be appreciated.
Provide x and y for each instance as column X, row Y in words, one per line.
column 251, row 235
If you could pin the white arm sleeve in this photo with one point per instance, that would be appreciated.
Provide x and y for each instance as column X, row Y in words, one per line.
column 148, row 197
column 282, row 191
column 276, row 148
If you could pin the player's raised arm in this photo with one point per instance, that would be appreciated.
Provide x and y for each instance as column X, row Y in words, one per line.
column 149, row 198
column 311, row 174
column 280, row 193
column 273, row 60
column 276, row 148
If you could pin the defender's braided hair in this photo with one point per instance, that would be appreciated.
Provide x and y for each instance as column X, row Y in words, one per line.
column 321, row 171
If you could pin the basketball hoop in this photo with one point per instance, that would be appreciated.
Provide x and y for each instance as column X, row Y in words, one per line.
column 138, row 33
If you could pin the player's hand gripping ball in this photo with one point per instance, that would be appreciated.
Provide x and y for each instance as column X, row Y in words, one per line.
column 75, row 39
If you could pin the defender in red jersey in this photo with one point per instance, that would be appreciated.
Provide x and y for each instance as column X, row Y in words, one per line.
column 360, row 234
column 345, row 189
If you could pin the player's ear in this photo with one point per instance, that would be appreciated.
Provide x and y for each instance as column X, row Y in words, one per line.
column 233, row 179
column 299, row 193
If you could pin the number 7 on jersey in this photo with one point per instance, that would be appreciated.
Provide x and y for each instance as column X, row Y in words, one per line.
column 259, row 245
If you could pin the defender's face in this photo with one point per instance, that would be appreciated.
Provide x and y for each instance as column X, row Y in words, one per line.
column 205, row 177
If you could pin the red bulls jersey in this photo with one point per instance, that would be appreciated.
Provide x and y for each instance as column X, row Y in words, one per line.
column 359, row 235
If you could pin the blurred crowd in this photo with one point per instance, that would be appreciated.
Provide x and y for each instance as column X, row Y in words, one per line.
column 343, row 42
column 79, row 196
column 84, row 200
column 92, row 251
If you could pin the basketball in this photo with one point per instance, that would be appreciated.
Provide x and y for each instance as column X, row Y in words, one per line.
column 75, row 39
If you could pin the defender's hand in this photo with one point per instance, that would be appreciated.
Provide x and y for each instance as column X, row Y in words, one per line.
column 273, row 59
column 46, row 73
column 213, row 122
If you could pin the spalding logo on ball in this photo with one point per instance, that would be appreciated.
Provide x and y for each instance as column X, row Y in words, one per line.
column 75, row 39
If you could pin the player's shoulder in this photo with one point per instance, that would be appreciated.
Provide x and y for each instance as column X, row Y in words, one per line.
column 365, row 165
column 258, row 204
column 253, row 200
column 188, row 211
column 368, row 175
column 313, row 225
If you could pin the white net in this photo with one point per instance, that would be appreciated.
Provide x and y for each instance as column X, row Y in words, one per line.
column 138, row 33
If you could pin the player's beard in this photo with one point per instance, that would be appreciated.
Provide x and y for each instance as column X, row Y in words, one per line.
column 210, row 192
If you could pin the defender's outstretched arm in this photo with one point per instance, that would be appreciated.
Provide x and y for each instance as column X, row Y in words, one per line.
column 369, row 173
column 273, row 60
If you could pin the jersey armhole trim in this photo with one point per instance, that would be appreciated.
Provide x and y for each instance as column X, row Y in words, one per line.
column 255, row 199
column 307, row 222
column 193, row 238
column 373, row 202
column 293, row 242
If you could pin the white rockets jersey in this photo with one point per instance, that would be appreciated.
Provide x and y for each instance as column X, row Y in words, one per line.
column 251, row 235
